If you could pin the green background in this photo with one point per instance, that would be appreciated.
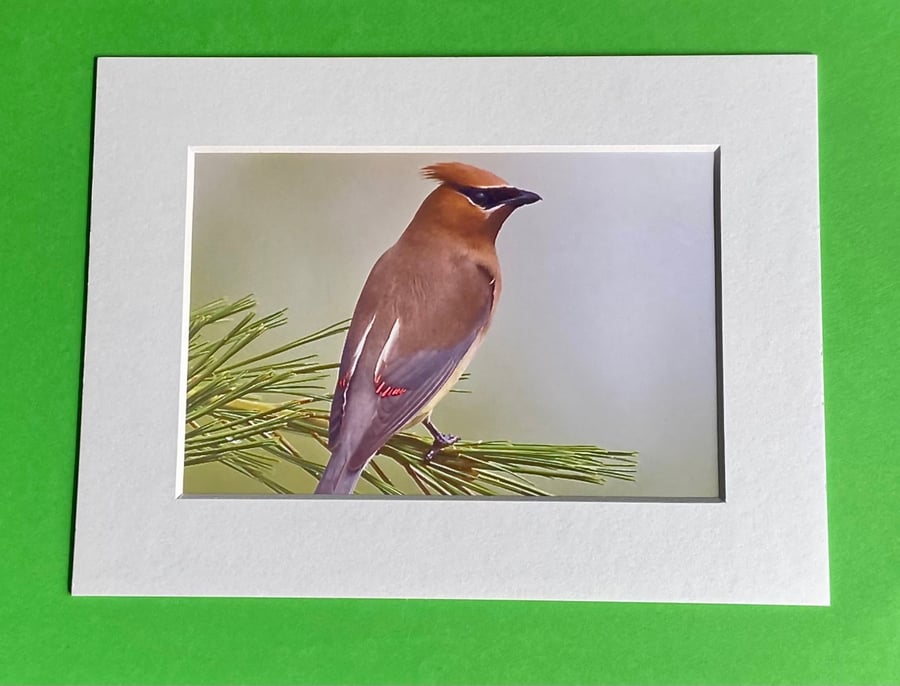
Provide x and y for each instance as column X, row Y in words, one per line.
column 46, row 636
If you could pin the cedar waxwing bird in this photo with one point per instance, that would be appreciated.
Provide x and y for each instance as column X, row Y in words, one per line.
column 421, row 315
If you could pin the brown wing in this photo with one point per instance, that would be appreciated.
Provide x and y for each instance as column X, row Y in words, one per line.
column 412, row 328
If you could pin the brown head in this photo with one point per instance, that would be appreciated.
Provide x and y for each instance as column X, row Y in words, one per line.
column 469, row 202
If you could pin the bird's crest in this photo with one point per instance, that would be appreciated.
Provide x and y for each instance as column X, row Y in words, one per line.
column 459, row 174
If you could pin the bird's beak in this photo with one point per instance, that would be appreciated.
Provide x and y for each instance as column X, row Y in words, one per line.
column 522, row 198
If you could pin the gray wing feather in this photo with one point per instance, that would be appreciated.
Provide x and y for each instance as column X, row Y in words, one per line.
column 421, row 375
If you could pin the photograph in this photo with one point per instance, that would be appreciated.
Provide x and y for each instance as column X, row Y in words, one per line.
column 481, row 322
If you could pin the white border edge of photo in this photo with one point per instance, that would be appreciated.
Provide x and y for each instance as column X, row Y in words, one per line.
column 765, row 544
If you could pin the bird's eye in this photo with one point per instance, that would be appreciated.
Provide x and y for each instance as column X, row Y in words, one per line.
column 483, row 197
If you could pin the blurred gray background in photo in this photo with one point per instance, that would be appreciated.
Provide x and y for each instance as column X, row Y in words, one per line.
column 605, row 331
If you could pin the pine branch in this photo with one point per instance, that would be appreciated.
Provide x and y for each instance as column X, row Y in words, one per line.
column 251, row 413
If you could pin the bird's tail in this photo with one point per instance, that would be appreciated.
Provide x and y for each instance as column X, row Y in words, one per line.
column 338, row 477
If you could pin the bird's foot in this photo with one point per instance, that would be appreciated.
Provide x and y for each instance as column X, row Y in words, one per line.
column 441, row 441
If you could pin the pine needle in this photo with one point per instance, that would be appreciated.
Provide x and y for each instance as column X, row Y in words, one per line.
column 249, row 414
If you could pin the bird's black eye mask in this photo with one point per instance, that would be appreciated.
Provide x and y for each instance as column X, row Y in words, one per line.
column 489, row 198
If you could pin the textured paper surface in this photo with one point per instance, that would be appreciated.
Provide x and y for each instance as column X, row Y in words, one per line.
column 765, row 544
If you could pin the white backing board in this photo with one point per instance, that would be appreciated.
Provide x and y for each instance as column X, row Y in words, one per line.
column 766, row 543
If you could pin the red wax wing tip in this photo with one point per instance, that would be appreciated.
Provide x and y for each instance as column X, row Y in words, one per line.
column 385, row 391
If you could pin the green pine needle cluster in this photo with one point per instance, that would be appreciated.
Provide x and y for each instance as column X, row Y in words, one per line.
column 251, row 412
